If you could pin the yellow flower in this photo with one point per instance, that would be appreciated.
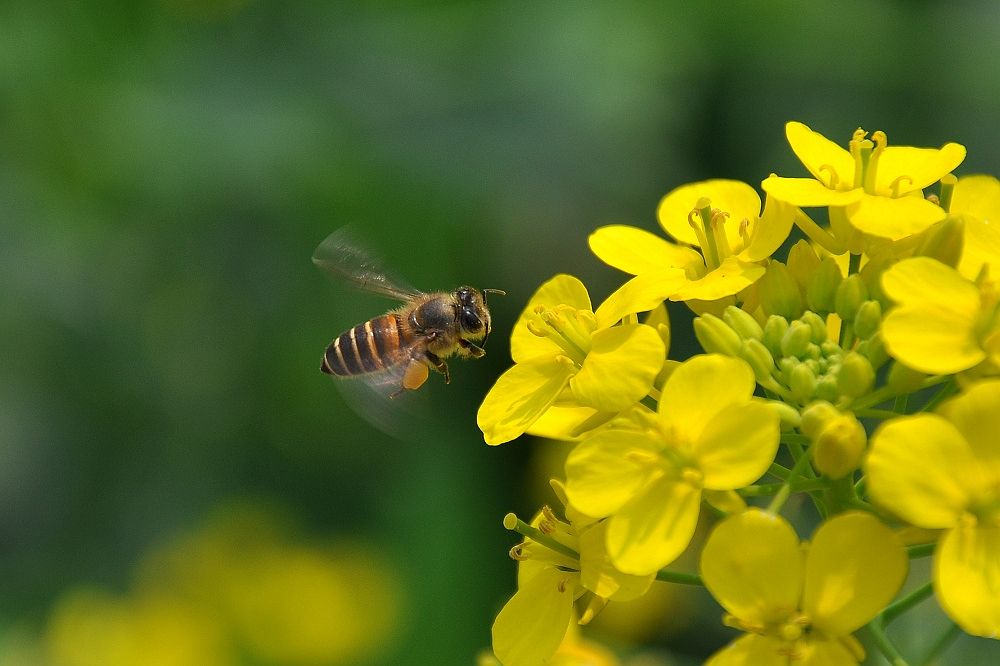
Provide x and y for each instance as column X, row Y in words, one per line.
column 942, row 323
column 942, row 471
column 796, row 605
column 977, row 200
column 533, row 623
column 709, row 434
column 559, row 342
column 721, row 217
column 877, row 188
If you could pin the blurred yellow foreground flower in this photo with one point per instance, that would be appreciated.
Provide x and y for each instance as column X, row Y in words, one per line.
column 800, row 605
column 942, row 471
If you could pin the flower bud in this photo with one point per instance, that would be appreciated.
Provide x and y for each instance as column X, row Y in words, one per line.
column 817, row 326
column 839, row 447
column 851, row 293
column 759, row 358
column 874, row 350
column 796, row 339
column 743, row 323
column 856, row 375
column 903, row 379
column 774, row 331
column 944, row 241
column 802, row 263
column 715, row 336
column 788, row 415
column 802, row 382
column 867, row 319
column 779, row 293
column 826, row 388
column 822, row 288
column 816, row 416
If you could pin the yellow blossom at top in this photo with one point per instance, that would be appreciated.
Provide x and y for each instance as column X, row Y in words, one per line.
column 976, row 199
column 559, row 342
column 942, row 471
column 800, row 606
column 709, row 434
column 722, row 218
column 879, row 188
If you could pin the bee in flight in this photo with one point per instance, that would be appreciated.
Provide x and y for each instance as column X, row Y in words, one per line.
column 404, row 344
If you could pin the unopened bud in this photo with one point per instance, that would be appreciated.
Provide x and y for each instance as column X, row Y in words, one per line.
column 774, row 331
column 802, row 263
column 802, row 382
column 817, row 326
column 856, row 375
column 715, row 336
column 874, row 350
column 816, row 416
column 759, row 358
column 826, row 388
column 867, row 319
column 779, row 293
column 822, row 288
column 944, row 241
column 839, row 447
column 743, row 323
column 904, row 379
column 796, row 339
column 788, row 415
column 851, row 293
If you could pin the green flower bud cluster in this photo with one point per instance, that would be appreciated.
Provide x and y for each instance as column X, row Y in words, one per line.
column 795, row 358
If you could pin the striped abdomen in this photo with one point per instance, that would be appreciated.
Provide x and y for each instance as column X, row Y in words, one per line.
column 369, row 347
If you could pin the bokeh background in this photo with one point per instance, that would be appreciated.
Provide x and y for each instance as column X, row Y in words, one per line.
column 179, row 484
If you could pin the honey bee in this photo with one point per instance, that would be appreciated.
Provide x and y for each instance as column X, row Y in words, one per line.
column 403, row 345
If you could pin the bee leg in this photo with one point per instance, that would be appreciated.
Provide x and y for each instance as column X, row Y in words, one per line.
column 438, row 365
column 414, row 377
column 474, row 350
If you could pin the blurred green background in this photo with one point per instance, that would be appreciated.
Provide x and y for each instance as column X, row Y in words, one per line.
column 179, row 482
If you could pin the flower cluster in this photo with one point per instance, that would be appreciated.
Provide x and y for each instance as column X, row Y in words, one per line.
column 851, row 334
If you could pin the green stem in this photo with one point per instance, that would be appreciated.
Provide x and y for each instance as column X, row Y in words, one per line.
column 920, row 550
column 942, row 642
column 819, row 234
column 885, row 646
column 897, row 608
column 767, row 489
column 899, row 407
column 876, row 413
column 885, row 393
column 679, row 577
column 786, row 488
column 779, row 471
column 515, row 524
column 946, row 391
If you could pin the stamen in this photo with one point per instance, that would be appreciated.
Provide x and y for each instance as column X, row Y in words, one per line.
column 871, row 169
column 834, row 179
column 695, row 220
column 718, row 226
column 745, row 233
column 897, row 184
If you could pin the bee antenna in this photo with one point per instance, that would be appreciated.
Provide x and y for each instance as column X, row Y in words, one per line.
column 498, row 292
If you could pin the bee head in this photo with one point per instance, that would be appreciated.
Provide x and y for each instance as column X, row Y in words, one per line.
column 473, row 315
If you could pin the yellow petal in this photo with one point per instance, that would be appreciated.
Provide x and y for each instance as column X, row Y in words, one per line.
column 821, row 156
column 606, row 470
column 817, row 651
column 752, row 565
column 699, row 389
column 772, row 230
column 752, row 650
column 654, row 528
column 976, row 414
column 530, row 627
column 915, row 168
column 637, row 251
column 893, row 218
column 560, row 290
column 640, row 294
column 599, row 575
column 737, row 446
column 931, row 328
column 732, row 276
column 977, row 199
column 620, row 368
column 560, row 422
column 520, row 396
column 855, row 565
column 967, row 578
column 918, row 467
column 807, row 193
column 731, row 196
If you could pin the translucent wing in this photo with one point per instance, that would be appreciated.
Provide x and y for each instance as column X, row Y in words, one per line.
column 404, row 417
column 344, row 257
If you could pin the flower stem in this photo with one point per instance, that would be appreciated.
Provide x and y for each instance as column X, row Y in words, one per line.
column 786, row 488
column 938, row 646
column 679, row 577
column 885, row 646
column 894, row 610
column 920, row 550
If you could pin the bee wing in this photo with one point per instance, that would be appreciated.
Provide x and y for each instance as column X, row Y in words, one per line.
column 344, row 257
column 406, row 416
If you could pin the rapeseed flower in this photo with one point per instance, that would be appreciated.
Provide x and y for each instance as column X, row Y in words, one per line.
column 709, row 433
column 942, row 471
column 876, row 188
column 722, row 219
column 976, row 199
column 800, row 605
column 559, row 342
column 942, row 322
